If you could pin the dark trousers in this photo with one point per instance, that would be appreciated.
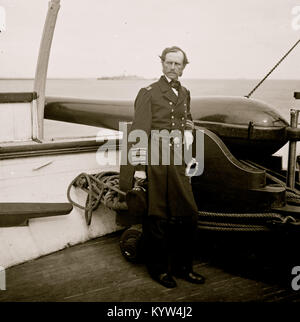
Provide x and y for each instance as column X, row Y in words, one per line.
column 169, row 243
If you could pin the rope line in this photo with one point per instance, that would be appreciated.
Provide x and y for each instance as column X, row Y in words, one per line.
column 262, row 215
column 276, row 65
column 235, row 229
column 100, row 188
column 103, row 188
column 269, row 221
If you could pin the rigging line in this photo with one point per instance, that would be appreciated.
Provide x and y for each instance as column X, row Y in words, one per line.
column 255, row 88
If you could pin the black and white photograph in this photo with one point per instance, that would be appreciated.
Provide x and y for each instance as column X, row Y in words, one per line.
column 149, row 155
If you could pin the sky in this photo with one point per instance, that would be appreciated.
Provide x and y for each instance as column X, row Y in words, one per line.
column 97, row 38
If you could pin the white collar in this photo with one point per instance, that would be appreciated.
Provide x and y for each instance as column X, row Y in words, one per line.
column 173, row 89
column 168, row 79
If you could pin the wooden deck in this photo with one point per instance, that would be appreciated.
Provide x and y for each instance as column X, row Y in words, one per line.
column 96, row 271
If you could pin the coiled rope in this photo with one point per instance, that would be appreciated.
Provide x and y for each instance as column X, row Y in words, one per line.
column 101, row 188
column 104, row 188
column 248, row 221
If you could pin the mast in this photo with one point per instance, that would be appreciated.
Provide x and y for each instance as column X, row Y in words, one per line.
column 42, row 63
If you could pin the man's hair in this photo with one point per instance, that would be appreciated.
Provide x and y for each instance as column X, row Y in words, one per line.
column 173, row 49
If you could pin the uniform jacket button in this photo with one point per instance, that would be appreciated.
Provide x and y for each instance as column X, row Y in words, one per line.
column 170, row 103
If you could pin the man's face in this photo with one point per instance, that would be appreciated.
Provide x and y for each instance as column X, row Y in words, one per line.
column 172, row 66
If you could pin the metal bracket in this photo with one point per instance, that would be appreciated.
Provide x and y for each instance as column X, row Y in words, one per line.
column 290, row 179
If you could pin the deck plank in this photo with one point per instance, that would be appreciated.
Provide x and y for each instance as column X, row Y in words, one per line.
column 96, row 271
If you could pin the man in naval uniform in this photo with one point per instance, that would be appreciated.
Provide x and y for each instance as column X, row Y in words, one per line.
column 169, row 227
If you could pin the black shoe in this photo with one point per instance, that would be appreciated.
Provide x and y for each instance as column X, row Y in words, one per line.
column 192, row 277
column 165, row 279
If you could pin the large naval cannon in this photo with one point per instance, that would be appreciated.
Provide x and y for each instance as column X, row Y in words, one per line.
column 243, row 186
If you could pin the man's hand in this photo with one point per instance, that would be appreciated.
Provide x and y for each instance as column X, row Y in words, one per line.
column 140, row 174
column 188, row 138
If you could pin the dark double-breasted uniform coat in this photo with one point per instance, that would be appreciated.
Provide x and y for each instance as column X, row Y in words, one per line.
column 158, row 108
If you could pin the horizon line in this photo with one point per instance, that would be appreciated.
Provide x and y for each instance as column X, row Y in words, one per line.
column 140, row 78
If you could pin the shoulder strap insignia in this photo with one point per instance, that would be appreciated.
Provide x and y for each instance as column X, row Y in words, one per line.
column 149, row 88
